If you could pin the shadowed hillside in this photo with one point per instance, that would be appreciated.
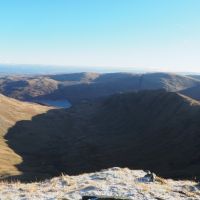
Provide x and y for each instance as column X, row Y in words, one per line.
column 12, row 111
column 193, row 92
column 41, row 142
column 195, row 76
column 154, row 130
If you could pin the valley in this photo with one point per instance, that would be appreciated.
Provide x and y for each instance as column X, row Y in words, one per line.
column 100, row 100
column 121, row 130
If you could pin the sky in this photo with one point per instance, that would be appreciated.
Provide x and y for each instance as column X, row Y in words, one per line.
column 159, row 35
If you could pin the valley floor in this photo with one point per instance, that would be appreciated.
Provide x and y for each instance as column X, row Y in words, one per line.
column 118, row 182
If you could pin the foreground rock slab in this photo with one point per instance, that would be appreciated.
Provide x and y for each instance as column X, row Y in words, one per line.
column 114, row 182
column 102, row 198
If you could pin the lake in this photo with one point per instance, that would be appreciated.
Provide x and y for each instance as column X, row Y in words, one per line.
column 55, row 103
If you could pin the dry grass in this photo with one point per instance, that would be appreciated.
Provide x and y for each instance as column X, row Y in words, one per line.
column 12, row 111
column 161, row 180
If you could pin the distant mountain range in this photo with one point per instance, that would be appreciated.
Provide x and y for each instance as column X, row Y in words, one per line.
column 152, row 129
column 80, row 87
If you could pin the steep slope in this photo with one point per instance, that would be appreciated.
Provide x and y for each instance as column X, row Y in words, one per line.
column 78, row 87
column 193, row 92
column 154, row 130
column 12, row 111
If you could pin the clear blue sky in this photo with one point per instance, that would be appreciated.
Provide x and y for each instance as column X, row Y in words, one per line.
column 150, row 34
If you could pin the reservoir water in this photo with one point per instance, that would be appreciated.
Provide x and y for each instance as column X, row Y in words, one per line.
column 55, row 103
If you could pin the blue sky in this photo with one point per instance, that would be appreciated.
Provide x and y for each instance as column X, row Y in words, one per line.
column 144, row 34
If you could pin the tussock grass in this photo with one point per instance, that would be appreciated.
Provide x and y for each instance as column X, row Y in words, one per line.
column 12, row 111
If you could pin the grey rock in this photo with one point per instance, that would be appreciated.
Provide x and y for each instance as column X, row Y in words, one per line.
column 102, row 198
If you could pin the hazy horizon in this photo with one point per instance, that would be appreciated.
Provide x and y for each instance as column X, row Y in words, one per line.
column 59, row 69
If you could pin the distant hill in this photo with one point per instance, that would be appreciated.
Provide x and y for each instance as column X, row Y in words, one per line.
column 25, row 87
column 79, row 87
column 154, row 130
column 195, row 76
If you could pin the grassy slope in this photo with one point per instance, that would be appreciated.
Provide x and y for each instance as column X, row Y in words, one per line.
column 12, row 111
column 154, row 130
column 150, row 130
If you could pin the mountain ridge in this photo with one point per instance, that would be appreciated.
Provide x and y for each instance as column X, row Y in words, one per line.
column 78, row 87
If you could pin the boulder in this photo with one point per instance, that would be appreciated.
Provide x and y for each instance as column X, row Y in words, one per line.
column 149, row 177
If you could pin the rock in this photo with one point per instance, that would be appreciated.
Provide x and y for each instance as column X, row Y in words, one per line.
column 151, row 177
column 198, row 186
column 102, row 198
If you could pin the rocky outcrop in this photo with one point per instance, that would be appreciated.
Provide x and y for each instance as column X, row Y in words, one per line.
column 110, row 184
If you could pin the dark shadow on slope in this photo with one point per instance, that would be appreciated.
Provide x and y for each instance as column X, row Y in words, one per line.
column 193, row 92
column 56, row 142
column 40, row 142
column 145, row 130
column 84, row 91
